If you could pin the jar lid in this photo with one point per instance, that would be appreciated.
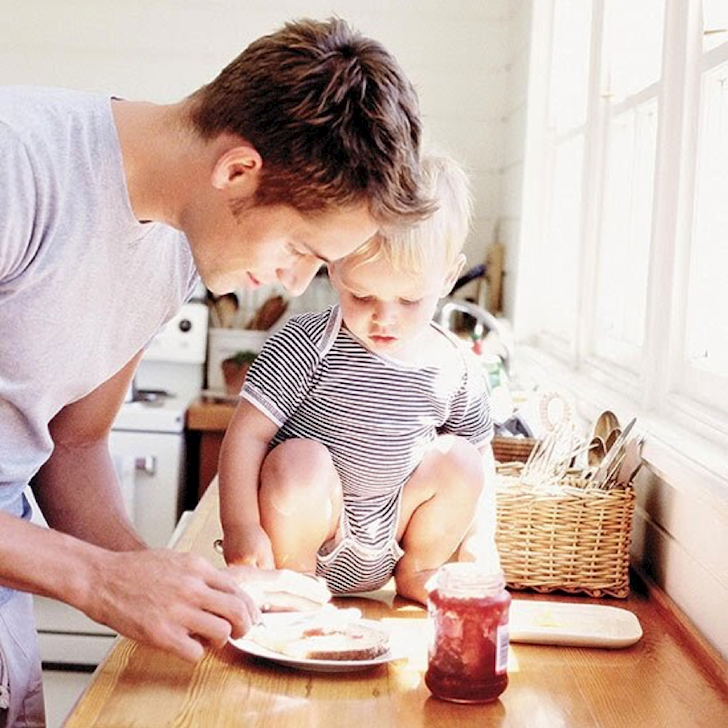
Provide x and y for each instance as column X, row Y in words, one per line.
column 467, row 579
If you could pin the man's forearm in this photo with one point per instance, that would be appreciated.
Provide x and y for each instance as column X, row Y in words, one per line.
column 78, row 492
column 45, row 562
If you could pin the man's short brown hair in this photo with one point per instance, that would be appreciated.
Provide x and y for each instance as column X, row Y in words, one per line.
column 332, row 115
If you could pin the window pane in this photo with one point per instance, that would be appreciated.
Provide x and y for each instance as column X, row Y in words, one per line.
column 560, row 252
column 633, row 48
column 625, row 235
column 570, row 64
column 707, row 321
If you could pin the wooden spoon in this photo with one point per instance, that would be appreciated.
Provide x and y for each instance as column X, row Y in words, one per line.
column 596, row 451
column 227, row 308
column 605, row 423
column 612, row 438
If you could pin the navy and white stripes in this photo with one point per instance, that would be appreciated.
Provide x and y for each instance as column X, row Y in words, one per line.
column 375, row 415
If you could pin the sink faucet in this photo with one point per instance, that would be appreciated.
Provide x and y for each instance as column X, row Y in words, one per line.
column 484, row 322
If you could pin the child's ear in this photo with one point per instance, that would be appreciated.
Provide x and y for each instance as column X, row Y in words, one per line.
column 453, row 275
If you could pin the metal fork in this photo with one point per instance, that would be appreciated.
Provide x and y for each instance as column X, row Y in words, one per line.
column 550, row 460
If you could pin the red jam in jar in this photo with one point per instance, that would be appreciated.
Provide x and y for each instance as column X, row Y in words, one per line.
column 468, row 655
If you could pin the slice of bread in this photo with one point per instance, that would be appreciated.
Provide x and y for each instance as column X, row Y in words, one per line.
column 353, row 641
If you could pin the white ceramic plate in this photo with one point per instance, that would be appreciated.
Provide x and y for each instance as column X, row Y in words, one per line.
column 253, row 648
column 576, row 625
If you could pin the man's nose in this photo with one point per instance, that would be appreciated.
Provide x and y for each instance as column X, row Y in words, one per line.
column 295, row 279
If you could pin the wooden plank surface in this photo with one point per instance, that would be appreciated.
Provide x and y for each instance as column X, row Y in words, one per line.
column 209, row 416
column 657, row 682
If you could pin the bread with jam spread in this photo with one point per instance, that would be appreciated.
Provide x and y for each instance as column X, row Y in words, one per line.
column 353, row 641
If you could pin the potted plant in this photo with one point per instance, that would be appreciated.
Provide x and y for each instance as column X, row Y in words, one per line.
column 234, row 369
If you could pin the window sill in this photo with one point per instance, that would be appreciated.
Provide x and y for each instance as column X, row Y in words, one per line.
column 688, row 461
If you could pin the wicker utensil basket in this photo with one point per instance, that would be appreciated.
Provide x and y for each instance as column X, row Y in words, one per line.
column 512, row 449
column 569, row 537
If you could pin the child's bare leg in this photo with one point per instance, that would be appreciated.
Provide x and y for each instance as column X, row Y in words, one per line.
column 300, row 502
column 438, row 507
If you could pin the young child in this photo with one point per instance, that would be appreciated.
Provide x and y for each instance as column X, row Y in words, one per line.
column 361, row 443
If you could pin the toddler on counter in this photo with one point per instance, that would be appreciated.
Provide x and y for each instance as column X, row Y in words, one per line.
column 360, row 447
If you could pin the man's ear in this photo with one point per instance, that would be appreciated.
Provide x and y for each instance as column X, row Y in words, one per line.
column 237, row 170
column 453, row 275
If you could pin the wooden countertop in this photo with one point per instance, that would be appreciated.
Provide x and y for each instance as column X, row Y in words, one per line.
column 660, row 681
column 209, row 416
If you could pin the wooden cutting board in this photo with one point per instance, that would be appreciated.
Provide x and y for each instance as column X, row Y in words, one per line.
column 577, row 625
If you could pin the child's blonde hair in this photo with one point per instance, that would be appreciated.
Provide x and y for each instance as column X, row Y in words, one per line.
column 437, row 240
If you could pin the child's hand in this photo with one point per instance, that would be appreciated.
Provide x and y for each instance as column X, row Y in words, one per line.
column 282, row 590
column 249, row 546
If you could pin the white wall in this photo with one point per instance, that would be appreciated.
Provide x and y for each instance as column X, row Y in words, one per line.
column 681, row 540
column 456, row 53
column 512, row 164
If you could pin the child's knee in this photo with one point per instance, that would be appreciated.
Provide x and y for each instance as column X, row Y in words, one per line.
column 298, row 471
column 460, row 464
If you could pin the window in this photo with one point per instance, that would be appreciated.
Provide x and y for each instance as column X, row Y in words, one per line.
column 624, row 240
column 567, row 112
column 630, row 72
column 561, row 240
column 704, row 364
column 634, row 221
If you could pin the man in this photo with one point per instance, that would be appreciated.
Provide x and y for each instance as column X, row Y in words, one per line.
column 297, row 153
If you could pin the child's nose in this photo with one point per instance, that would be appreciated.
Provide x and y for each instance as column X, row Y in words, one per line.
column 384, row 312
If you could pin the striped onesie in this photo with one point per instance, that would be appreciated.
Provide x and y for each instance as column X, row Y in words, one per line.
column 376, row 416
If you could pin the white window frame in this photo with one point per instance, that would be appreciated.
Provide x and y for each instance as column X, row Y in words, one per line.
column 695, row 390
column 687, row 440
column 548, row 141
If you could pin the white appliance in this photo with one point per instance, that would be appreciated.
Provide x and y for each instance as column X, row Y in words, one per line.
column 148, row 446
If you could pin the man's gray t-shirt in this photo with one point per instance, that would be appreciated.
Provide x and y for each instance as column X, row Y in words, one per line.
column 83, row 284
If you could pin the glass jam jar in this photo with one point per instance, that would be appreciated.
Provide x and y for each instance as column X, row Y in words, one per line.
column 468, row 654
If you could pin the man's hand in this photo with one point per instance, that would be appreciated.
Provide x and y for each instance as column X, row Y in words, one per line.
column 174, row 601
column 248, row 545
column 281, row 590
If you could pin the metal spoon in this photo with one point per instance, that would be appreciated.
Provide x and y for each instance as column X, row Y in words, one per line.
column 613, row 454
column 632, row 461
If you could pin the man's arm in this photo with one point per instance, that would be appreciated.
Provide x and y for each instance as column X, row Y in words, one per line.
column 77, row 489
column 172, row 600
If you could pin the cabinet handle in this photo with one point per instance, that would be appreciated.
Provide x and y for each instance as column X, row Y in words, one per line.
column 146, row 464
